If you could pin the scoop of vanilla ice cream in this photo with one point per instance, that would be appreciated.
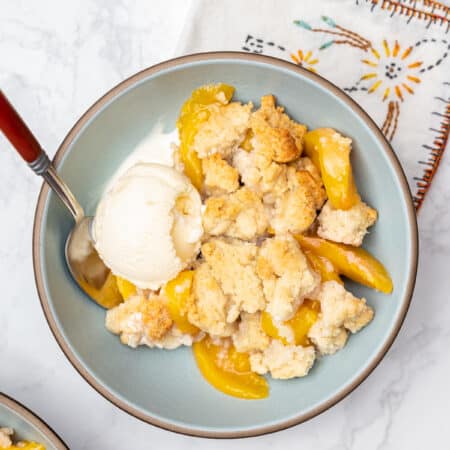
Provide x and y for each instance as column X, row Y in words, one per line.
column 148, row 226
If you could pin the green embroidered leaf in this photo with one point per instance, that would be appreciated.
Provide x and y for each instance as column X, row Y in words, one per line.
column 302, row 24
column 329, row 21
column 326, row 45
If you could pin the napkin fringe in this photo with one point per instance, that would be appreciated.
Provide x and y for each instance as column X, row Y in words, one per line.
column 435, row 153
column 433, row 12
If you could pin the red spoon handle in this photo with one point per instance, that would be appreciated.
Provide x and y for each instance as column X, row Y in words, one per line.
column 17, row 132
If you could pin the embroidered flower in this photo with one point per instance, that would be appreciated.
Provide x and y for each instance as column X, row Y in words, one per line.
column 305, row 60
column 393, row 73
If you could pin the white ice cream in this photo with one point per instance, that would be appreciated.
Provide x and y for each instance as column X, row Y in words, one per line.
column 157, row 147
column 148, row 226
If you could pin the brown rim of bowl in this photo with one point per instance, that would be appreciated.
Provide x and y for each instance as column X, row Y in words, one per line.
column 32, row 418
column 194, row 58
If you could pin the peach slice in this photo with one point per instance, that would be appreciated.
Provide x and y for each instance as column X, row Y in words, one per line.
column 304, row 318
column 177, row 293
column 323, row 267
column 194, row 112
column 353, row 262
column 229, row 371
column 27, row 445
column 126, row 288
column 108, row 296
column 330, row 152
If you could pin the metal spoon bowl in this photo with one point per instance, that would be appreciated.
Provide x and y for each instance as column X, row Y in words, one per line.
column 82, row 259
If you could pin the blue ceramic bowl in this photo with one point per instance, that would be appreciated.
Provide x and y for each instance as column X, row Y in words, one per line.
column 164, row 387
column 26, row 425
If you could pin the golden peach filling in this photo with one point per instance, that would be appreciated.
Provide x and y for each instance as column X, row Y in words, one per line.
column 177, row 293
column 228, row 370
column 353, row 262
column 125, row 287
column 27, row 445
column 331, row 153
column 6, row 441
column 195, row 112
column 280, row 229
column 108, row 295
column 298, row 326
column 323, row 266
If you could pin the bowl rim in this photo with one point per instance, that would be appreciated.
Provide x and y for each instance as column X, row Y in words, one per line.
column 29, row 416
column 411, row 219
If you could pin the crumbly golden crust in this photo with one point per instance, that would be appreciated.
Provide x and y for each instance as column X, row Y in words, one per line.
column 238, row 215
column 276, row 136
column 276, row 139
column 260, row 174
column 305, row 163
column 256, row 180
column 295, row 210
column 233, row 263
column 309, row 176
column 5, row 437
column 283, row 361
column 286, row 275
column 292, row 196
column 219, row 177
column 224, row 130
column 346, row 226
column 340, row 311
column 208, row 308
column 139, row 318
column 327, row 340
column 340, row 308
column 250, row 336
column 275, row 143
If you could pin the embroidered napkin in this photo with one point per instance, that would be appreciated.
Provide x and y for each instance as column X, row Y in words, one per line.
column 392, row 57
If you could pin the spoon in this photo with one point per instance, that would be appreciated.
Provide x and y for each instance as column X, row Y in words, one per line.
column 83, row 261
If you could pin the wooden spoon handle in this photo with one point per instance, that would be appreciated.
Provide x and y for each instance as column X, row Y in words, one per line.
column 29, row 149
column 17, row 132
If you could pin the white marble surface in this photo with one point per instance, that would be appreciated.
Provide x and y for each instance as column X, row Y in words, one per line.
column 56, row 58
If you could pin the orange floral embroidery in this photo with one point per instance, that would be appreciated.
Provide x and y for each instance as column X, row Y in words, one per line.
column 392, row 71
column 305, row 60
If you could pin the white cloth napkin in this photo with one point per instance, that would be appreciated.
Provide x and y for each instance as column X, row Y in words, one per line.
column 392, row 57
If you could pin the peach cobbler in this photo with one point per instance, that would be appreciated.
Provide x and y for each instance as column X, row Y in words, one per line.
column 6, row 441
column 239, row 248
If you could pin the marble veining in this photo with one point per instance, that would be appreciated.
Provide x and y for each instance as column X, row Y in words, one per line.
column 56, row 59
